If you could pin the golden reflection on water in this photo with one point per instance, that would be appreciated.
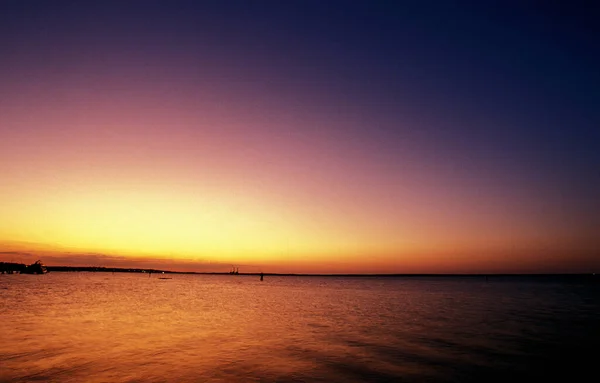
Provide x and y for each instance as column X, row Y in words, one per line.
column 102, row 327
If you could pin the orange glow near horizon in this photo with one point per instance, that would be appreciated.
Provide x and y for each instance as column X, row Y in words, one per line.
column 245, row 207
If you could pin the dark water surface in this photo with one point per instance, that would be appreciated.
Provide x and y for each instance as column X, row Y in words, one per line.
column 100, row 327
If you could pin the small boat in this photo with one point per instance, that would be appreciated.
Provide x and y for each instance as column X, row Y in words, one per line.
column 35, row 268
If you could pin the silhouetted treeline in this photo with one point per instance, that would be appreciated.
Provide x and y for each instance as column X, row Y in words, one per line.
column 21, row 268
column 11, row 267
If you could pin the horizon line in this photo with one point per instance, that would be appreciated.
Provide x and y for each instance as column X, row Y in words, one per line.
column 135, row 269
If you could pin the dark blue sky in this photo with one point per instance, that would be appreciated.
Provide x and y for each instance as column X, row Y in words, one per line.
column 529, row 66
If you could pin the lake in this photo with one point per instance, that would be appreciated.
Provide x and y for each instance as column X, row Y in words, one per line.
column 122, row 327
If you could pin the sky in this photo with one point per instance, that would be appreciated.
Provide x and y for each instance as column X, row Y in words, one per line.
column 301, row 136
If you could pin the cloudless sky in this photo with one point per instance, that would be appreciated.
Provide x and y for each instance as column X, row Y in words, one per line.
column 311, row 136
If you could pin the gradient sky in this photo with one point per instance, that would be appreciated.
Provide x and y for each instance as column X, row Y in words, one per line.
column 304, row 136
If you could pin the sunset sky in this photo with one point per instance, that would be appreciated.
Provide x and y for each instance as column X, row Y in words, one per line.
column 301, row 136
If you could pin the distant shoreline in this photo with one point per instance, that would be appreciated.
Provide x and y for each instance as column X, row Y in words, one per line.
column 6, row 266
column 137, row 270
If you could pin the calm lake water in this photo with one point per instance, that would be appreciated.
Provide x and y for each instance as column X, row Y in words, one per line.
column 103, row 327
